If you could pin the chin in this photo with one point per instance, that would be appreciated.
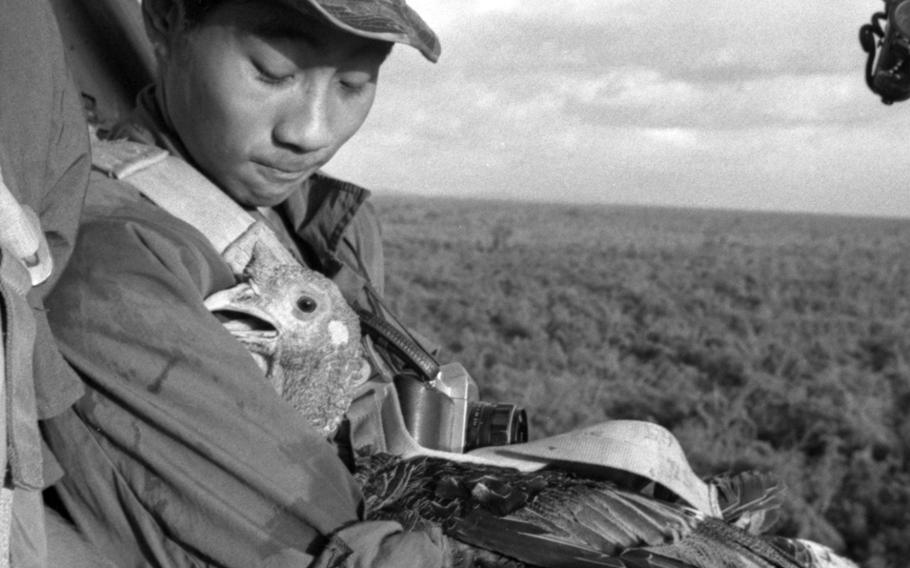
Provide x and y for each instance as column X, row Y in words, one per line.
column 258, row 197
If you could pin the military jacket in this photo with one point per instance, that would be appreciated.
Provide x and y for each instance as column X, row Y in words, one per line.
column 181, row 454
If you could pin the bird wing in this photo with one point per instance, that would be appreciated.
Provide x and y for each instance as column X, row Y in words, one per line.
column 750, row 500
column 536, row 545
column 812, row 554
column 546, row 518
column 715, row 543
column 554, row 518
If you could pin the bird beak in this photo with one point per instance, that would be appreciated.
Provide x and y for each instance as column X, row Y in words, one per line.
column 241, row 317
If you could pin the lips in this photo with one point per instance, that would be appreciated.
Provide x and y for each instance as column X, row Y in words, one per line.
column 283, row 172
column 289, row 168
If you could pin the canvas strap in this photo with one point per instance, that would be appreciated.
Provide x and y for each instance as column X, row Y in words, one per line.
column 176, row 186
column 181, row 190
column 25, row 261
column 641, row 448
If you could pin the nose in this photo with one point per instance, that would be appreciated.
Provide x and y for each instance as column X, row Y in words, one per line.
column 304, row 122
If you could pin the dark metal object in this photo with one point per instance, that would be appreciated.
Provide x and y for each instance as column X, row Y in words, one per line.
column 888, row 49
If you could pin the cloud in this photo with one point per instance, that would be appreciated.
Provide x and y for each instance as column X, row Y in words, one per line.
column 701, row 102
column 673, row 35
column 444, row 15
column 650, row 99
column 696, row 64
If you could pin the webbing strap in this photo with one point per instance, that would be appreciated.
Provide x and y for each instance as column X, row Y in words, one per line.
column 6, row 496
column 185, row 193
column 23, row 445
column 24, row 261
column 176, row 186
column 6, row 525
column 20, row 443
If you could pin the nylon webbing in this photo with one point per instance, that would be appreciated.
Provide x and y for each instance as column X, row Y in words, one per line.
column 6, row 525
column 23, row 443
column 175, row 186
column 24, row 261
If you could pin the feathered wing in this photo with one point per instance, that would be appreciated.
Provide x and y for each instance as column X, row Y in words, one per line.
column 537, row 544
column 552, row 518
column 715, row 543
column 593, row 523
column 813, row 555
column 749, row 500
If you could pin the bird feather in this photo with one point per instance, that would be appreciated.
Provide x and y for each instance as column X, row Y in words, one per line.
column 749, row 499
column 552, row 518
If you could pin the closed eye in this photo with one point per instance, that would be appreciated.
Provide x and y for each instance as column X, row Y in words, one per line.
column 356, row 82
column 271, row 76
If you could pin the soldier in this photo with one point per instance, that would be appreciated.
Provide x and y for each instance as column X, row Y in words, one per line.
column 181, row 453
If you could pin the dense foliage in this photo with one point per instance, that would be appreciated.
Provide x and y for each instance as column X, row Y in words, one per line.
column 765, row 341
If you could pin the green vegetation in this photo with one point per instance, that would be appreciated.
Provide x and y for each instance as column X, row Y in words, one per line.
column 765, row 341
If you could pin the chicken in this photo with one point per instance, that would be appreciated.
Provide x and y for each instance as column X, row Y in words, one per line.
column 300, row 330
column 555, row 518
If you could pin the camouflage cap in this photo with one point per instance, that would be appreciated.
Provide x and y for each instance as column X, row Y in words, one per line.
column 386, row 20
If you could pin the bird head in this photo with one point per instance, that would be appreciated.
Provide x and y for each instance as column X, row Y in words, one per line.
column 301, row 332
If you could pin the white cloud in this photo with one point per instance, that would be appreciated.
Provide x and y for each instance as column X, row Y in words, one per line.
column 650, row 99
column 481, row 7
column 443, row 14
column 704, row 102
column 678, row 137
column 633, row 87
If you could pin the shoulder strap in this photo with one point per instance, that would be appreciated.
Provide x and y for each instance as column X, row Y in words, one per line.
column 24, row 262
column 175, row 186
column 181, row 190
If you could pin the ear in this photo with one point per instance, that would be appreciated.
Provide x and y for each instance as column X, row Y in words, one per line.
column 163, row 19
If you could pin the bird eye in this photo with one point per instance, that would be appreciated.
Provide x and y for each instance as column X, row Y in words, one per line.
column 306, row 304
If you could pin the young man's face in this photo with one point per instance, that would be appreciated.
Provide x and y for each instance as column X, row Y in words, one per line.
column 262, row 96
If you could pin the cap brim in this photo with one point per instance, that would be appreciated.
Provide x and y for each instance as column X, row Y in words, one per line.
column 384, row 20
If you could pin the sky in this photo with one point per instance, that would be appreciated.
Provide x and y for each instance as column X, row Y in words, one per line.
column 691, row 103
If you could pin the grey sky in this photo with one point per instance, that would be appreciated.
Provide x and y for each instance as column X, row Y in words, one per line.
column 708, row 103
